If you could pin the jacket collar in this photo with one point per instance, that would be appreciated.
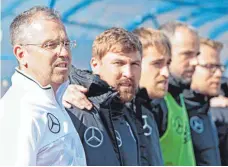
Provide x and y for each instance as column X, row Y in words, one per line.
column 28, row 83
column 99, row 92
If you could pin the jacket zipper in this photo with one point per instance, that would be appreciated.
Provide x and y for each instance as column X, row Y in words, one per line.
column 113, row 129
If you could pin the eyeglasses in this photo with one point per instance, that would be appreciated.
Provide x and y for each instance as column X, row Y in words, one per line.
column 213, row 67
column 52, row 45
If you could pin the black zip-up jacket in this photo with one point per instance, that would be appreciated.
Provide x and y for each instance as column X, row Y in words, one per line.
column 150, row 150
column 203, row 131
column 108, row 132
column 224, row 86
column 220, row 117
column 149, row 147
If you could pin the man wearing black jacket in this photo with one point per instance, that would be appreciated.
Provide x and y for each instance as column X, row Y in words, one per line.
column 108, row 132
column 206, row 80
column 156, row 57
column 185, row 49
column 153, row 82
column 219, row 111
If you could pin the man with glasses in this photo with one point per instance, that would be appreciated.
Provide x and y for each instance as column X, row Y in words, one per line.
column 219, row 111
column 207, row 80
column 35, row 129
column 208, row 72
column 185, row 49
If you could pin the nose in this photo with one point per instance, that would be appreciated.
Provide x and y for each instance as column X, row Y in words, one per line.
column 218, row 73
column 165, row 71
column 193, row 61
column 63, row 51
column 127, row 71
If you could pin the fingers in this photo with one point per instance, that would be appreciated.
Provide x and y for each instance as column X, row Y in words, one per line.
column 79, row 88
column 218, row 102
column 66, row 105
column 83, row 103
column 75, row 95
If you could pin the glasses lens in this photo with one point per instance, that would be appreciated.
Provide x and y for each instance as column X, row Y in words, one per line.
column 69, row 44
column 73, row 44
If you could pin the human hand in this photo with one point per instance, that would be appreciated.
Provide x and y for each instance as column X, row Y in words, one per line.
column 219, row 101
column 75, row 95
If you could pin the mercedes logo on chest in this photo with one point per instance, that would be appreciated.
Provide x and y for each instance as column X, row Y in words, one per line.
column 196, row 124
column 93, row 137
column 53, row 123
column 118, row 138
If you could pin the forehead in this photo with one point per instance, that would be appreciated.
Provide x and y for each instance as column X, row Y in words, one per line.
column 208, row 54
column 184, row 38
column 133, row 56
column 152, row 53
column 42, row 29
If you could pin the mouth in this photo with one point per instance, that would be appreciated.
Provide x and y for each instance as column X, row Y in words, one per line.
column 163, row 83
column 189, row 73
column 62, row 65
column 215, row 83
column 126, row 84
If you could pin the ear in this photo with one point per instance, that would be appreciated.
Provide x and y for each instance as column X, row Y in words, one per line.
column 95, row 64
column 19, row 52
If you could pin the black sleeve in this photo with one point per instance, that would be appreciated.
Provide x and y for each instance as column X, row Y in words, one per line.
column 160, row 113
column 80, row 77
column 224, row 87
column 220, row 117
column 203, row 131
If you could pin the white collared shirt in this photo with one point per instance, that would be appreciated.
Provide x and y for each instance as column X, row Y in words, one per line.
column 35, row 129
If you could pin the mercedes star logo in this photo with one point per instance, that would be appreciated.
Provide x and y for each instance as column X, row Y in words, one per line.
column 53, row 123
column 178, row 125
column 93, row 137
column 146, row 126
column 118, row 138
column 196, row 124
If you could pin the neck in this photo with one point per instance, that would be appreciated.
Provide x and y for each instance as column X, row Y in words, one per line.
column 55, row 87
column 38, row 79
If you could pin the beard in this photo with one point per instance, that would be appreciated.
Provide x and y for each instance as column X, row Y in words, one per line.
column 127, row 89
column 184, row 80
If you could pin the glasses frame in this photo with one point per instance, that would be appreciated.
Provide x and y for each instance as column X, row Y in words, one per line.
column 214, row 68
column 72, row 44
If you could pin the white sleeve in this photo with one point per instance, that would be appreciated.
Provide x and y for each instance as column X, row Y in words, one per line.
column 28, row 137
column 1, row 109
column 19, row 136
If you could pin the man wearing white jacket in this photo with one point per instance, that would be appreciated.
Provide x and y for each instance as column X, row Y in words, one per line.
column 35, row 129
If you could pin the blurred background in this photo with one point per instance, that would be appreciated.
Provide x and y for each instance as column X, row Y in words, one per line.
column 85, row 19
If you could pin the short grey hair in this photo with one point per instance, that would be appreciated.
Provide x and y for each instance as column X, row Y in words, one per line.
column 170, row 28
column 23, row 20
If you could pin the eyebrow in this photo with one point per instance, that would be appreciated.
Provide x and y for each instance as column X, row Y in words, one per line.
column 54, row 40
column 187, row 52
column 48, row 40
column 159, row 59
column 136, row 61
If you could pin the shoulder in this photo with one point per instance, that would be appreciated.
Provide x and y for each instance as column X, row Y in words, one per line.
column 81, row 113
column 83, row 117
column 159, row 106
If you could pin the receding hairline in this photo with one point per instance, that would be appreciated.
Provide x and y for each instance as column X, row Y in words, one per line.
column 23, row 21
column 170, row 29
